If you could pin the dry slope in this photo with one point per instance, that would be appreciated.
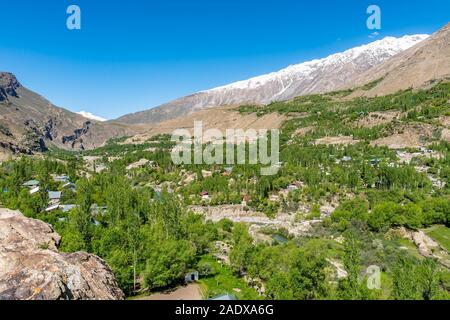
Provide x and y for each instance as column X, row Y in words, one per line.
column 423, row 64
column 29, row 123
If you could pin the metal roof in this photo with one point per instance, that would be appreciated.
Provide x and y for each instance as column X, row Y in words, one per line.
column 54, row 195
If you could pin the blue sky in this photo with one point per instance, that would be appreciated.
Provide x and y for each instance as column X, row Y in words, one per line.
column 136, row 54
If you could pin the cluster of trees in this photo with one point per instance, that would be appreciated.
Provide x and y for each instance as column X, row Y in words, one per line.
column 387, row 214
column 148, row 241
column 413, row 216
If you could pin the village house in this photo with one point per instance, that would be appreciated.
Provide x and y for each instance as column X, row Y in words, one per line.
column 54, row 197
column 35, row 190
column 191, row 277
column 31, row 184
column 205, row 195
column 292, row 187
column 425, row 150
column 67, row 207
column 346, row 159
column 206, row 173
column 69, row 185
column 61, row 178
column 227, row 171
column 274, row 197
column 375, row 162
column 52, row 208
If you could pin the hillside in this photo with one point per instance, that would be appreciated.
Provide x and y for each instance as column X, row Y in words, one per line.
column 221, row 118
column 422, row 65
column 29, row 123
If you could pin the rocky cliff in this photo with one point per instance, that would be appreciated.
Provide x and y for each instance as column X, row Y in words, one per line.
column 31, row 268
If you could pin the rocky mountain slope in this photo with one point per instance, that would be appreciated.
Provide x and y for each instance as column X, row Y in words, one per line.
column 29, row 123
column 423, row 64
column 221, row 118
column 317, row 76
column 31, row 268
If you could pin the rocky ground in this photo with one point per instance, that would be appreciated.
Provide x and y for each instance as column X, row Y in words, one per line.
column 256, row 220
column 31, row 268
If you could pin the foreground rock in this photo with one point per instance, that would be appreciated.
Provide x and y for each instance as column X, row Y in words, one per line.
column 31, row 268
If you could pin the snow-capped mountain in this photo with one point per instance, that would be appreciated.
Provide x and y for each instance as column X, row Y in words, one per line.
column 323, row 75
column 91, row 116
column 309, row 72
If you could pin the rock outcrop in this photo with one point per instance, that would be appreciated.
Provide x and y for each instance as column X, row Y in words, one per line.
column 8, row 85
column 31, row 268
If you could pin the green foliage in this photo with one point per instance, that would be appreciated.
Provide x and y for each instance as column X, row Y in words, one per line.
column 352, row 288
column 411, row 215
column 355, row 209
column 441, row 234
column 224, row 280
column 382, row 215
column 415, row 281
column 242, row 248
column 139, row 220
column 167, row 263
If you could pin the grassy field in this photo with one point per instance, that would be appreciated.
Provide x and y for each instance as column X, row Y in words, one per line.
column 441, row 234
column 410, row 247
